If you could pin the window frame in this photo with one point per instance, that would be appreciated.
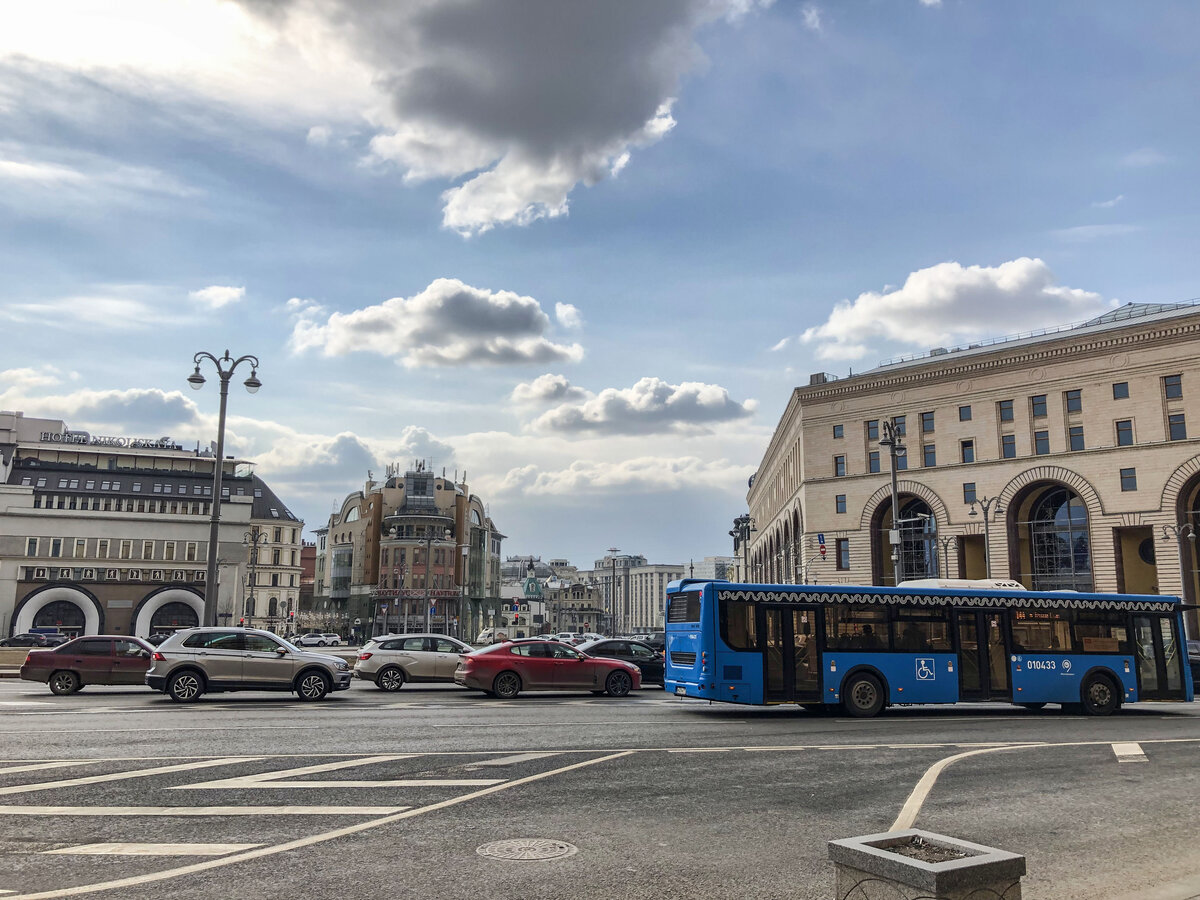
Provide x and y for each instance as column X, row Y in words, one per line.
column 1128, row 479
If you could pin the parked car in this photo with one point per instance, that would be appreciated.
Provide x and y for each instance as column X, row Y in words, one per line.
column 646, row 659
column 197, row 660
column 35, row 639
column 393, row 659
column 95, row 659
column 313, row 639
column 332, row 640
column 491, row 636
column 504, row 670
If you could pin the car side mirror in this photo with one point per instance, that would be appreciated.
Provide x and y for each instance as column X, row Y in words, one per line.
column 282, row 651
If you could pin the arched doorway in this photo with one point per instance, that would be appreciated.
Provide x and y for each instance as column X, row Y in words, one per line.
column 918, row 548
column 64, row 615
column 1053, row 544
column 1189, row 513
column 172, row 616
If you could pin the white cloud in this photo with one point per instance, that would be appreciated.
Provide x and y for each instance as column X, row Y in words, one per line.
column 1084, row 233
column 651, row 406
column 85, row 311
column 950, row 303
column 812, row 17
column 1143, row 158
column 568, row 315
column 215, row 296
column 931, row 2
column 319, row 135
column 449, row 323
column 19, row 381
column 547, row 389
column 1108, row 204
column 645, row 474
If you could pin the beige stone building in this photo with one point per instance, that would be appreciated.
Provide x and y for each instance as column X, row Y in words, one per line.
column 1082, row 443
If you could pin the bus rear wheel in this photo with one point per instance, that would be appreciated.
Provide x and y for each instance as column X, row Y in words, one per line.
column 1100, row 697
column 862, row 696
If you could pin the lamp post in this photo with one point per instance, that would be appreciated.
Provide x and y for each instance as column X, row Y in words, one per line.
column 743, row 527
column 252, row 539
column 428, row 566
column 225, row 368
column 988, row 515
column 892, row 439
column 946, row 543
column 1178, row 533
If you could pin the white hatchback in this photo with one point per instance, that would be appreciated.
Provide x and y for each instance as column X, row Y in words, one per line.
column 393, row 659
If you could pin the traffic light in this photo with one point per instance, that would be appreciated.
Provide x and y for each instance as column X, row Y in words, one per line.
column 516, row 618
column 291, row 616
column 242, row 622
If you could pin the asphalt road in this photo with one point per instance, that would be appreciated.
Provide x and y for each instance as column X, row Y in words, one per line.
column 369, row 794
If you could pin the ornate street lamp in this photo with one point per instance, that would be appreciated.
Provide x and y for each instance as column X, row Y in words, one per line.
column 225, row 368
column 892, row 439
column 252, row 539
column 988, row 515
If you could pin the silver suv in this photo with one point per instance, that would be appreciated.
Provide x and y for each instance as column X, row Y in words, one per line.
column 196, row 660
column 392, row 659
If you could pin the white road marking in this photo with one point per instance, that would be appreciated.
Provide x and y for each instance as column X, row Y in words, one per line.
column 126, row 849
column 12, row 770
column 593, row 723
column 280, row 774
column 121, row 776
column 301, row 843
column 201, row 810
column 24, row 702
column 511, row 760
column 912, row 805
column 178, row 728
column 289, row 785
column 1129, row 752
column 703, row 750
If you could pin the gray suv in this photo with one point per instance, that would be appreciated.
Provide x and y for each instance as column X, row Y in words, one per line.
column 191, row 662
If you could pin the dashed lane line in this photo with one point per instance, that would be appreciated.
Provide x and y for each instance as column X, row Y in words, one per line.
column 301, row 843
column 121, row 776
column 200, row 811
column 131, row 849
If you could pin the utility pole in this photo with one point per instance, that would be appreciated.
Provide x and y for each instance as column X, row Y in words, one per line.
column 892, row 435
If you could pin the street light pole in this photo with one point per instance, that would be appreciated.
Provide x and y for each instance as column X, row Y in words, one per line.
column 986, row 503
column 892, row 435
column 743, row 527
column 196, row 380
column 946, row 543
column 1179, row 532
column 252, row 539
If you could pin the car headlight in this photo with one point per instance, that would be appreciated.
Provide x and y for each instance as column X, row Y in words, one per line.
column 342, row 665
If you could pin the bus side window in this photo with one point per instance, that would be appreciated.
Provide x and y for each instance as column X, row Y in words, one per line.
column 1041, row 630
column 856, row 628
column 1100, row 631
column 737, row 625
column 922, row 630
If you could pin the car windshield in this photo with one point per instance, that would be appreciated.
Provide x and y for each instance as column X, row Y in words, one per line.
column 287, row 643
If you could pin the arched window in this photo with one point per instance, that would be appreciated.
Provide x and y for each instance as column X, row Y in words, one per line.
column 61, row 614
column 918, row 540
column 1060, row 551
column 273, row 607
column 173, row 615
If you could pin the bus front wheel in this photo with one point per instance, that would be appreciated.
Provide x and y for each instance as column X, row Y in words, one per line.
column 862, row 696
column 1099, row 695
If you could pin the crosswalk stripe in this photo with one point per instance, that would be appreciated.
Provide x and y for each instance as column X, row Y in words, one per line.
column 132, row 849
column 121, row 776
column 12, row 770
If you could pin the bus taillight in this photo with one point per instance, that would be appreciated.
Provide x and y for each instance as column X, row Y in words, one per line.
column 703, row 660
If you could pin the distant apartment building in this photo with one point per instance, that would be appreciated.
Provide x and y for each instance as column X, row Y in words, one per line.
column 411, row 548
column 1065, row 460
column 110, row 534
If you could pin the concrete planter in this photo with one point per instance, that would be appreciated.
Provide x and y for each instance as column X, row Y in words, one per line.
column 871, row 867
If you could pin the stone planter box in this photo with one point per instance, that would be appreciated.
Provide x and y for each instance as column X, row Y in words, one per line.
column 920, row 865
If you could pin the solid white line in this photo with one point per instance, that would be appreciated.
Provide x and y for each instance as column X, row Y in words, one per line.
column 1129, row 752
column 594, row 723
column 128, row 849
column 301, row 843
column 704, row 750
column 182, row 811
column 912, row 806
column 254, row 780
column 510, row 760
column 288, row 785
column 179, row 728
column 24, row 702
column 121, row 776
column 12, row 770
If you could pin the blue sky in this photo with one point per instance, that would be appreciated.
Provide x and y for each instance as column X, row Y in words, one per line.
column 581, row 250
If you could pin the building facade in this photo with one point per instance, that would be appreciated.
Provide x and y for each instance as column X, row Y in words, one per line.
column 110, row 534
column 1061, row 460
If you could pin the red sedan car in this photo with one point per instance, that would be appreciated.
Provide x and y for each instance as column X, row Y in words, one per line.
column 95, row 659
column 504, row 670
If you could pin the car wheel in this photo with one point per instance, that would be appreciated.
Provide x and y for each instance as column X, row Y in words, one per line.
column 64, row 682
column 185, row 687
column 312, row 686
column 618, row 684
column 862, row 696
column 507, row 685
column 390, row 679
column 1100, row 697
column 320, row 643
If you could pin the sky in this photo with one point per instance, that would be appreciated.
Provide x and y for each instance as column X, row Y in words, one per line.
column 580, row 251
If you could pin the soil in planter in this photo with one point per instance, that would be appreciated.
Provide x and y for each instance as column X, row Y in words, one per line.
column 919, row 848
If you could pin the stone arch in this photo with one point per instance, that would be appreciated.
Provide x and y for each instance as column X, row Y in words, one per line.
column 143, row 615
column 1019, row 484
column 1026, row 487
column 1176, row 487
column 27, row 609
column 904, row 486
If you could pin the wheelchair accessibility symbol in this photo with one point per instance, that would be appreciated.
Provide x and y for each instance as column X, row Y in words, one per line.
column 925, row 669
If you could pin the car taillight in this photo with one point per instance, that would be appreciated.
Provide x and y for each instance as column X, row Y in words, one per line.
column 364, row 656
column 157, row 657
column 28, row 656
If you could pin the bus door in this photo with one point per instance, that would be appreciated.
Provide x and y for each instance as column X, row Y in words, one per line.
column 1160, row 671
column 983, row 654
column 791, row 661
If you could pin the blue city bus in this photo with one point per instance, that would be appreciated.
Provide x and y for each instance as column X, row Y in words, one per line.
column 865, row 648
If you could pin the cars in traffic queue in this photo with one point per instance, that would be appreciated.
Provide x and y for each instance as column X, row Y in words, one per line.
column 491, row 636
column 316, row 639
column 646, row 659
column 392, row 660
column 200, row 660
column 655, row 640
column 507, row 669
column 34, row 639
column 95, row 659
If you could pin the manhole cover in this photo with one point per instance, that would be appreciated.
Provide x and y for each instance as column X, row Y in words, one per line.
column 534, row 849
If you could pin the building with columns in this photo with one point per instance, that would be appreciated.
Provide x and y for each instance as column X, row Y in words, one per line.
column 1064, row 460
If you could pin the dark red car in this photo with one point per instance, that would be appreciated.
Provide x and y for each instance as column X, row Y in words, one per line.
column 506, row 669
column 95, row 659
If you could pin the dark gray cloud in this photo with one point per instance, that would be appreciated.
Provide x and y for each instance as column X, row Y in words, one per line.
column 651, row 406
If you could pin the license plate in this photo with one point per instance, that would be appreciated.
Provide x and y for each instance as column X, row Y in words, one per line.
column 681, row 690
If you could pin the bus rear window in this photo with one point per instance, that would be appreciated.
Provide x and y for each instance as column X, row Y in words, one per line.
column 684, row 608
